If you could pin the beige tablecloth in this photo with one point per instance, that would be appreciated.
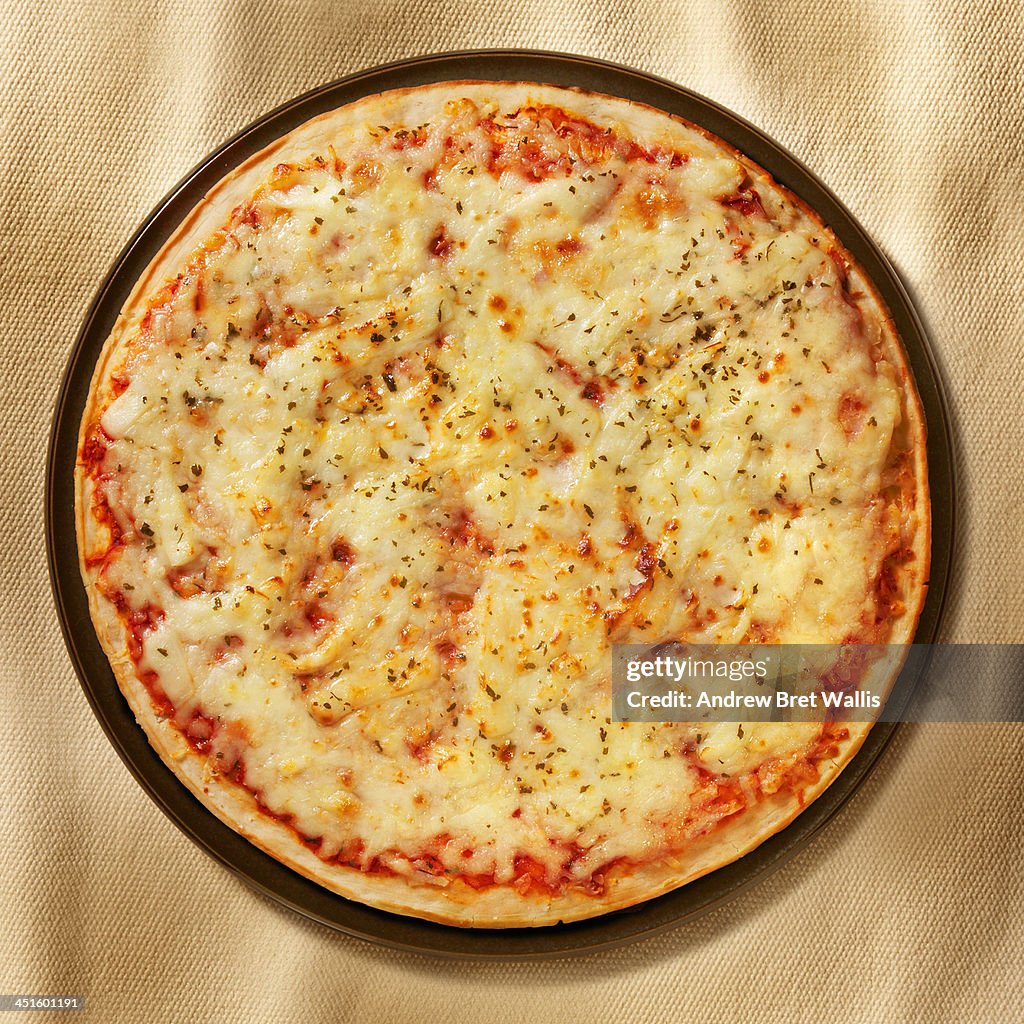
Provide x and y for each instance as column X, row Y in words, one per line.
column 909, row 906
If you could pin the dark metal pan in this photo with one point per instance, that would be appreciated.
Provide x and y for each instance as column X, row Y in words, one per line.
column 117, row 720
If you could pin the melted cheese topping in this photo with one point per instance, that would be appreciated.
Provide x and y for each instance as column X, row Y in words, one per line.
column 438, row 417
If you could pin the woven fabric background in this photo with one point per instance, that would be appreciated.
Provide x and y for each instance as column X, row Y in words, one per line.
column 910, row 906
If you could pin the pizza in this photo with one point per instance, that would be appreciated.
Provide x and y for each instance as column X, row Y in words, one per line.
column 422, row 410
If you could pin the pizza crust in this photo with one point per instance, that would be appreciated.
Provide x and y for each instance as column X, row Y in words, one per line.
column 455, row 902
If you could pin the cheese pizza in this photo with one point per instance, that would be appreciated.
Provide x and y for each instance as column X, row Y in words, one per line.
column 421, row 410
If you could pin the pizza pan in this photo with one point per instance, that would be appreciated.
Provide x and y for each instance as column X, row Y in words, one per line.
column 221, row 842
